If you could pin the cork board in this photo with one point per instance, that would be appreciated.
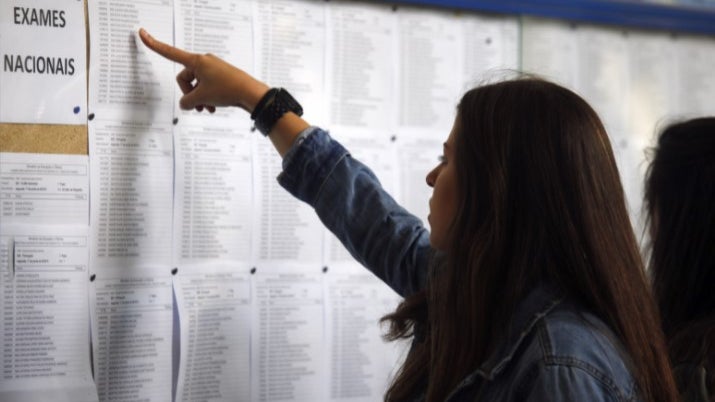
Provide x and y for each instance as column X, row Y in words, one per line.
column 46, row 138
column 43, row 138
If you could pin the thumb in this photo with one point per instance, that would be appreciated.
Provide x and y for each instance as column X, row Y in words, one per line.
column 191, row 99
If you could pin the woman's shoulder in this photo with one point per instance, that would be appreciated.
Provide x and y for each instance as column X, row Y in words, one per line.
column 574, row 342
column 563, row 353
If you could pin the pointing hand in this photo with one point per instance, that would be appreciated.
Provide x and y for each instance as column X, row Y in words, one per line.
column 208, row 81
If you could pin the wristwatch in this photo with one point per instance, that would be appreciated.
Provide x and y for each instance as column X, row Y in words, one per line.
column 272, row 106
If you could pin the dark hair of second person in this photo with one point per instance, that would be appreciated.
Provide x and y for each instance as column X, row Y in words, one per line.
column 680, row 204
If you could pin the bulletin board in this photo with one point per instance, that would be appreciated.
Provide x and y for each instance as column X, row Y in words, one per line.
column 44, row 139
column 72, row 139
column 186, row 215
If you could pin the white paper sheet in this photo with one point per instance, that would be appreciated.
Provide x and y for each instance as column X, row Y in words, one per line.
column 131, row 336
column 695, row 56
column 290, row 51
column 131, row 195
column 602, row 75
column 43, row 52
column 34, row 187
column 214, row 177
column 429, row 72
column 416, row 157
column 430, row 85
column 490, row 49
column 550, row 49
column 44, row 319
column 286, row 229
column 224, row 29
column 651, row 102
column 214, row 306
column 287, row 344
column 361, row 60
column 127, row 81
column 651, row 72
column 220, row 28
column 360, row 363
column 213, row 206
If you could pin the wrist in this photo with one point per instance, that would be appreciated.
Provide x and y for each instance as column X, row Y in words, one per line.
column 253, row 94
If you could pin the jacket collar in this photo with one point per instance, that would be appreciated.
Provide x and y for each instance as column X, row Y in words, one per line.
column 539, row 302
column 534, row 307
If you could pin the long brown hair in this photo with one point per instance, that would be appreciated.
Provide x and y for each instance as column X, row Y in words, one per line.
column 540, row 201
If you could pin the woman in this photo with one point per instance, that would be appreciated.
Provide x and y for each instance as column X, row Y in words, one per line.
column 680, row 201
column 536, row 292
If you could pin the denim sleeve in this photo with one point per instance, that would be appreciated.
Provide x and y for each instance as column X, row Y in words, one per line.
column 352, row 204
column 572, row 381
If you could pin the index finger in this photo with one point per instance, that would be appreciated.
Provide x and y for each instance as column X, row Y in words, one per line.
column 170, row 52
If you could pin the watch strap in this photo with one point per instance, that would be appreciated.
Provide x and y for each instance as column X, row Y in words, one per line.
column 267, row 97
column 274, row 104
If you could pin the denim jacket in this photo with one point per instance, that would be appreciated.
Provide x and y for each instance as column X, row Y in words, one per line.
column 555, row 351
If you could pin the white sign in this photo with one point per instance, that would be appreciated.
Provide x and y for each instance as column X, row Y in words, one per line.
column 43, row 56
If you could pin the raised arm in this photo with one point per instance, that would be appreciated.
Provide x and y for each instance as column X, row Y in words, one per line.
column 345, row 194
